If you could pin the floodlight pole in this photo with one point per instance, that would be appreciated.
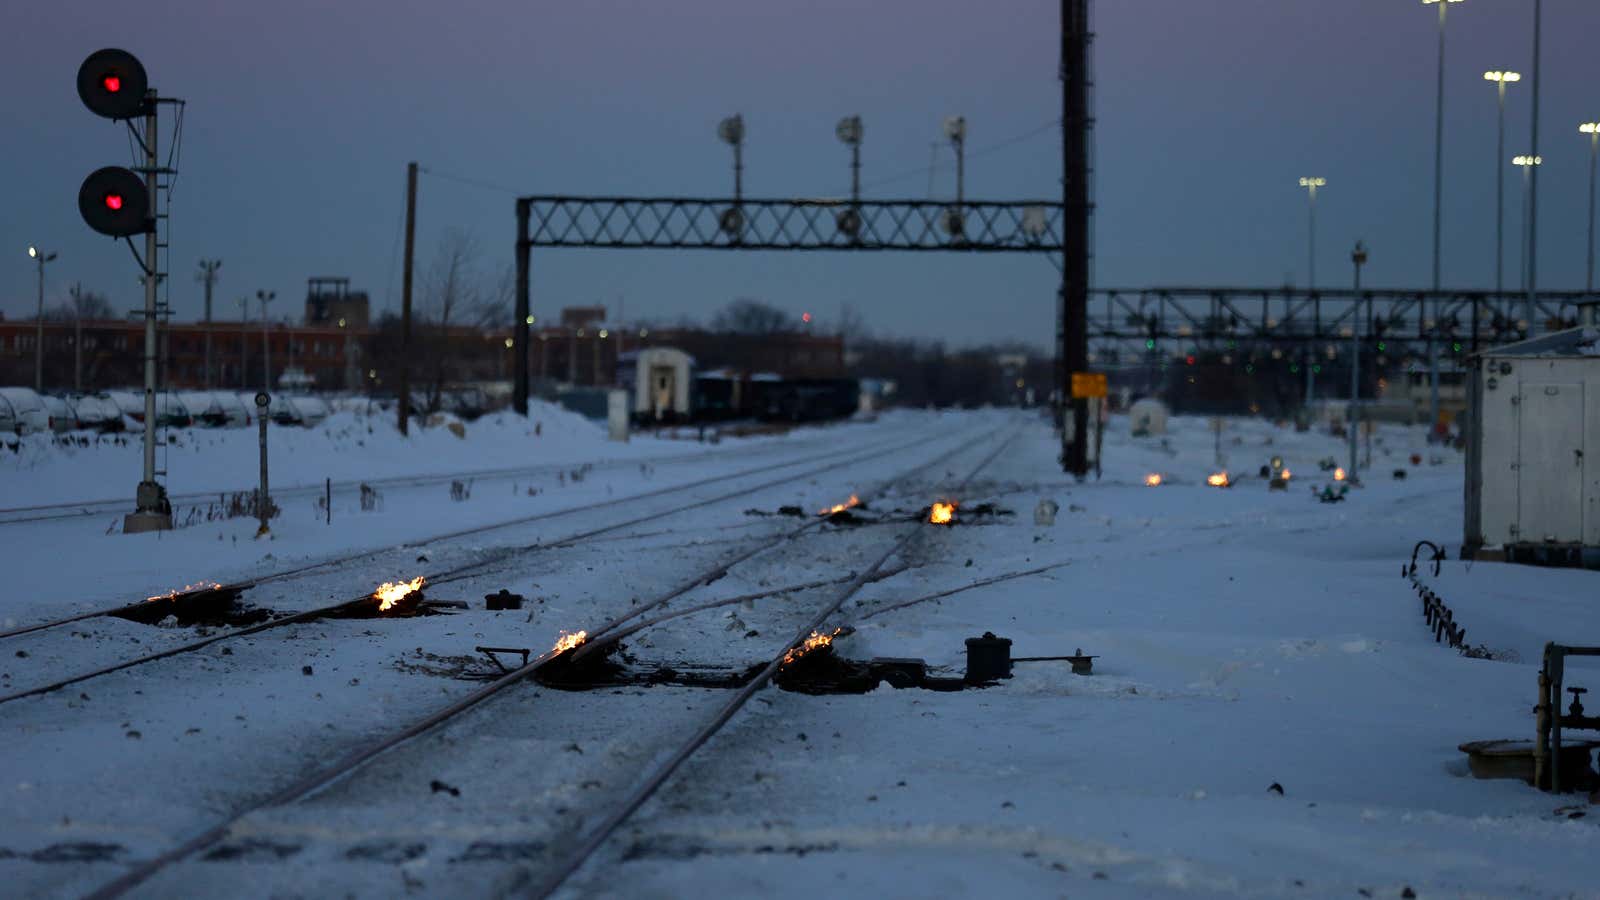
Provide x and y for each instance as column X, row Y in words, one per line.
column 208, row 277
column 1358, row 256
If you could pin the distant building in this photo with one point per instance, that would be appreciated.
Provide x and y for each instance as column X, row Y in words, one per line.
column 582, row 316
column 330, row 302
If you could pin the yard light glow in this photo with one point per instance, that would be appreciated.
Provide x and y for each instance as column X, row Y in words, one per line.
column 1527, row 161
column 1506, row 77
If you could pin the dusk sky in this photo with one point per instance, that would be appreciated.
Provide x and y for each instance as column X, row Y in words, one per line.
column 302, row 116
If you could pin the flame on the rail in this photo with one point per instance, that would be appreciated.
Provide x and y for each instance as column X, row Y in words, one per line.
column 391, row 592
column 1219, row 479
column 840, row 507
column 1152, row 480
column 569, row 640
column 942, row 513
column 1285, row 475
column 197, row 586
column 816, row 640
column 1338, row 475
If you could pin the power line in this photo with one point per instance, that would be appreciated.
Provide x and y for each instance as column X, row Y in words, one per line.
column 971, row 154
column 473, row 182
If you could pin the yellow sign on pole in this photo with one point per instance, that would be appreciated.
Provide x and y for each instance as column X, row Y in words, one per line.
column 1088, row 384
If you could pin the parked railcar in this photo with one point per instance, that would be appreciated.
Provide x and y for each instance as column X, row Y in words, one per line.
column 661, row 382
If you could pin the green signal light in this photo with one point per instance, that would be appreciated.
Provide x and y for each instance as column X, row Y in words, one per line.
column 1149, row 344
column 1294, row 369
column 1382, row 346
column 1456, row 347
column 1316, row 370
column 1249, row 370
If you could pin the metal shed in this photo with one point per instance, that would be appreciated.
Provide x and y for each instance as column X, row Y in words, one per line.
column 1533, row 449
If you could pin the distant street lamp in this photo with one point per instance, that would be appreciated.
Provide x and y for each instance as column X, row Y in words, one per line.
column 1501, row 79
column 1311, row 185
column 1527, row 163
column 41, row 258
column 1592, row 129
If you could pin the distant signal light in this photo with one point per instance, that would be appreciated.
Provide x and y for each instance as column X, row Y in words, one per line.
column 113, row 201
column 112, row 83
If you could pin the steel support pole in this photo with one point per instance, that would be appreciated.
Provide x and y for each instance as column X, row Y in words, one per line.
column 1312, row 257
column 405, row 298
column 152, row 512
column 244, row 342
column 1351, row 420
column 1531, row 308
column 1500, row 199
column 38, row 326
column 266, row 342
column 1438, row 213
column 1074, row 297
column 521, row 331
column 1594, row 154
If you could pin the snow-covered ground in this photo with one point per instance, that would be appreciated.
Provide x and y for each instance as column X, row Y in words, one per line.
column 1245, row 638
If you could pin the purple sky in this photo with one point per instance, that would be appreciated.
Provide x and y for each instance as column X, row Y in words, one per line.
column 303, row 114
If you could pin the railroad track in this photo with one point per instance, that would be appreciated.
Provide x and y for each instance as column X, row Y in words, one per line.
column 484, row 562
column 352, row 558
column 598, row 636
column 75, row 509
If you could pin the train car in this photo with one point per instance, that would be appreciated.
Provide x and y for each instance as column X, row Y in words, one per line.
column 806, row 399
column 661, row 382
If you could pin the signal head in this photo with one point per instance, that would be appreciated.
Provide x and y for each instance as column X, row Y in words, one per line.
column 112, row 83
column 113, row 201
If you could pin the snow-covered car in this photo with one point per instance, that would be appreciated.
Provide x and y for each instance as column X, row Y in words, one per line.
column 170, row 411
column 302, row 411
column 96, row 412
column 62, row 418
column 27, row 410
column 206, row 408
column 239, row 413
column 8, row 419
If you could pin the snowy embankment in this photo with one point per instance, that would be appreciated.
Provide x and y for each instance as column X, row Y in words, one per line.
column 348, row 446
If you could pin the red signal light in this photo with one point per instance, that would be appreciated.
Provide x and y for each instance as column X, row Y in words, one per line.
column 805, row 317
column 113, row 201
column 1189, row 360
column 111, row 83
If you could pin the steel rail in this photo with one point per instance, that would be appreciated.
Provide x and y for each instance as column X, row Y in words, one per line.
column 356, row 758
column 297, row 571
column 459, row 572
column 601, row 833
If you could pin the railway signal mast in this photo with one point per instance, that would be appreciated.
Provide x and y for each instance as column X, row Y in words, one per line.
column 121, row 203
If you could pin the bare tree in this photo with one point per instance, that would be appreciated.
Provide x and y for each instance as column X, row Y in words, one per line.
column 80, row 305
column 749, row 316
column 450, row 290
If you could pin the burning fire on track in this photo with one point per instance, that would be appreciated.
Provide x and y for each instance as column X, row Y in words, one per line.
column 1220, row 479
column 569, row 640
column 941, row 513
column 1152, row 480
column 1338, row 474
column 1285, row 475
column 854, row 501
column 815, row 641
column 390, row 593
column 197, row 586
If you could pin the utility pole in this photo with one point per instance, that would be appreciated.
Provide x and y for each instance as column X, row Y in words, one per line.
column 41, row 258
column 266, row 347
column 1359, row 257
column 1074, row 296
column 405, row 298
column 77, row 338
column 208, row 276
column 244, row 341
column 521, row 337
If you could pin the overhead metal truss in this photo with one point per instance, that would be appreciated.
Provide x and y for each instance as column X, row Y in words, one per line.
column 1203, row 316
column 973, row 226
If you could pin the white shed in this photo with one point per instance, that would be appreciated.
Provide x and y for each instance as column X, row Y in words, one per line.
column 1147, row 417
column 1533, row 451
column 661, row 384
